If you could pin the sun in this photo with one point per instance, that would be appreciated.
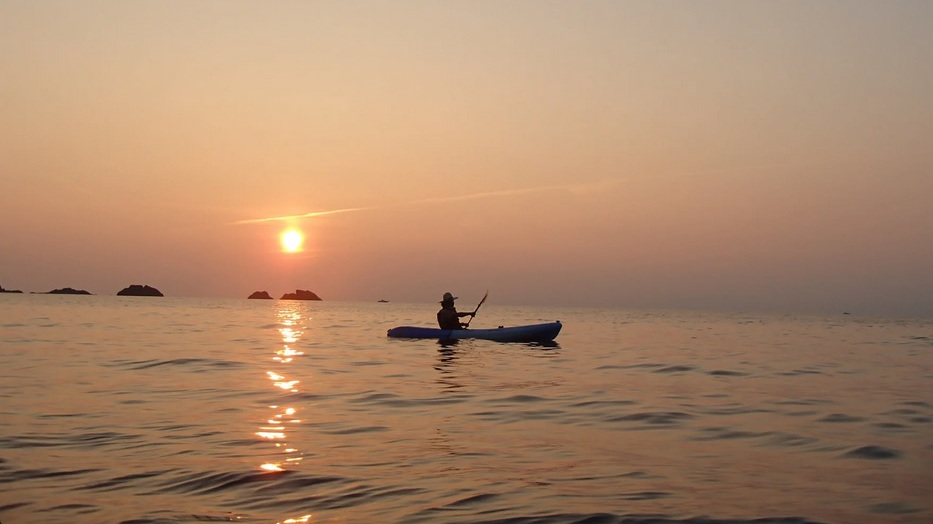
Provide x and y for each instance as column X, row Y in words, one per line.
column 292, row 241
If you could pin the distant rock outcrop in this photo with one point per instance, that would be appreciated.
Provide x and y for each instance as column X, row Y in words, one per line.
column 261, row 294
column 300, row 294
column 9, row 290
column 137, row 290
column 68, row 291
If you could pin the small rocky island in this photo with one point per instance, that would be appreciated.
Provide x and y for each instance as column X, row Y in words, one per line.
column 9, row 290
column 264, row 295
column 137, row 290
column 68, row 291
column 300, row 294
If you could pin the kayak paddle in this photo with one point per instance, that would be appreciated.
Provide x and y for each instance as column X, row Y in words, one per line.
column 477, row 308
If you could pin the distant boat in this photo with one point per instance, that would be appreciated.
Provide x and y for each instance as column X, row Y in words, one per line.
column 382, row 300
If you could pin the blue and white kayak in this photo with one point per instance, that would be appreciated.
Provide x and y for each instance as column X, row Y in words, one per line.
column 531, row 333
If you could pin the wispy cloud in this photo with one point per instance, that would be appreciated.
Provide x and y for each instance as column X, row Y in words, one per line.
column 312, row 214
column 488, row 194
column 572, row 188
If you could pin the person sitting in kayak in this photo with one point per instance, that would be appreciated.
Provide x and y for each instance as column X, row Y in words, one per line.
column 448, row 317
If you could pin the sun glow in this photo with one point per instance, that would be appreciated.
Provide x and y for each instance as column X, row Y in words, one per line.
column 292, row 241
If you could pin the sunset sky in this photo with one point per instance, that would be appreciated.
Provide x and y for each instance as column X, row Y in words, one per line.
column 725, row 155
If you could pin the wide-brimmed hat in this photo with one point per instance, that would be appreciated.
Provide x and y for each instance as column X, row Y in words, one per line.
column 448, row 297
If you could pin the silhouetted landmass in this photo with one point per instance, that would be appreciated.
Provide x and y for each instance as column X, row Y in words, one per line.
column 68, row 291
column 9, row 290
column 261, row 294
column 137, row 290
column 382, row 300
column 300, row 294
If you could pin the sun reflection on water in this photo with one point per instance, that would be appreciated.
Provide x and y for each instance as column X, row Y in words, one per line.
column 296, row 520
column 275, row 428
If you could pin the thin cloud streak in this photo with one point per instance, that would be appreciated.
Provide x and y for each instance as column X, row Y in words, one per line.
column 488, row 194
column 573, row 188
column 297, row 217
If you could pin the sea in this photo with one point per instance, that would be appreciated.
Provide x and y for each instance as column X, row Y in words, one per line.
column 179, row 410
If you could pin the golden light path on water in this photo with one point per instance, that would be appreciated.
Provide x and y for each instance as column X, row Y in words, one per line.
column 284, row 417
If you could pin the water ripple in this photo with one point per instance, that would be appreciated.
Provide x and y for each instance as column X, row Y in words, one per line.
column 193, row 362
column 873, row 453
column 654, row 418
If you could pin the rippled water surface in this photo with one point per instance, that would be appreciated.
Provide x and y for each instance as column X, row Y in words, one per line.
column 145, row 410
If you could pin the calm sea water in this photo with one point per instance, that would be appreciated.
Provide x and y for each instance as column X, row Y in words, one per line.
column 146, row 410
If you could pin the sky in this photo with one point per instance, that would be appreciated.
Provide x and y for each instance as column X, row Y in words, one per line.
column 715, row 155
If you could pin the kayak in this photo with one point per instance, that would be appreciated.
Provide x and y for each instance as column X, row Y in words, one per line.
column 531, row 333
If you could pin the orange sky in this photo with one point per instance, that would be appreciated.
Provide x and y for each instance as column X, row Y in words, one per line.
column 726, row 155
